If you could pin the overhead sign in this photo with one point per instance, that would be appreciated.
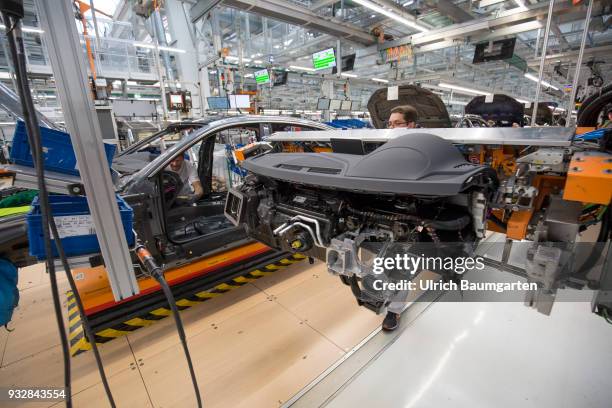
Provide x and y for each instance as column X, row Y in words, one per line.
column 397, row 53
column 262, row 77
column 324, row 59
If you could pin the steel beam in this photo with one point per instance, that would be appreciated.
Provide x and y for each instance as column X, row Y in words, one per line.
column 289, row 13
column 70, row 72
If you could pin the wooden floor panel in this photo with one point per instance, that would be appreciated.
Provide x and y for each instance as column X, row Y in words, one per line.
column 255, row 346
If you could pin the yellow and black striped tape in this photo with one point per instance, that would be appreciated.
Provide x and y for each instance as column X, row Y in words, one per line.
column 76, row 335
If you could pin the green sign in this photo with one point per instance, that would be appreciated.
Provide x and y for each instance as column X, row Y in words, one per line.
column 262, row 77
column 324, row 59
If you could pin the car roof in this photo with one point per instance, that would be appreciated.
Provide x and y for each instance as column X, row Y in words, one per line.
column 214, row 124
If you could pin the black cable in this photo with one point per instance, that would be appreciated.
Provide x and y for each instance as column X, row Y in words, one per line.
column 34, row 139
column 13, row 34
column 89, row 334
column 154, row 270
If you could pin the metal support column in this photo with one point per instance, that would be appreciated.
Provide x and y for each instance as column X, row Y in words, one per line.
column 70, row 72
column 572, row 105
column 534, row 113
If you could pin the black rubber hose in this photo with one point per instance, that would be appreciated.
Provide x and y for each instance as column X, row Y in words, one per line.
column 154, row 270
column 13, row 34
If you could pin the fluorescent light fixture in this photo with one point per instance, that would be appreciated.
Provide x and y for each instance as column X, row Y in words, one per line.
column 302, row 68
column 26, row 29
column 5, row 75
column 248, row 76
column 384, row 81
column 160, row 47
column 258, row 62
column 535, row 79
column 348, row 75
column 461, row 103
column 212, row 72
column 234, row 58
column 462, row 89
column 132, row 83
column 392, row 15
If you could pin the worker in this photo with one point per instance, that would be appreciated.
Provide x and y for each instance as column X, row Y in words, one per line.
column 192, row 189
column 607, row 124
column 404, row 116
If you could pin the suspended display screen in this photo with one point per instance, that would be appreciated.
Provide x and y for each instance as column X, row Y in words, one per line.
column 324, row 59
column 262, row 77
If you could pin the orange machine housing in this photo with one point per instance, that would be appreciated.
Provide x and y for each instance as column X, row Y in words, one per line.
column 95, row 291
column 589, row 178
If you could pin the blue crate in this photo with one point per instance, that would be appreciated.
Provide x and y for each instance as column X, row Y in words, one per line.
column 74, row 245
column 58, row 153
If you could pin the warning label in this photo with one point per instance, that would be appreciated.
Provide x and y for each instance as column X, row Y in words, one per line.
column 74, row 225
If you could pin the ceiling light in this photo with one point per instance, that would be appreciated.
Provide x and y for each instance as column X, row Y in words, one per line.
column 248, row 76
column 5, row 75
column 160, row 47
column 234, row 58
column 26, row 29
column 463, row 89
column 380, row 80
column 258, row 62
column 302, row 68
column 349, row 75
column 390, row 14
column 457, row 103
column 535, row 79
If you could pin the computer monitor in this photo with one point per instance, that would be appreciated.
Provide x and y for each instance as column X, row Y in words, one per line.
column 239, row 101
column 335, row 104
column 324, row 59
column 262, row 77
column 346, row 106
column 218, row 102
column 323, row 104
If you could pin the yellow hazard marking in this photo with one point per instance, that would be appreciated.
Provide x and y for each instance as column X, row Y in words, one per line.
column 75, row 331
column 242, row 279
column 225, row 286
column 161, row 312
column 207, row 295
column 186, row 303
column 259, row 273
column 137, row 321
column 273, row 267
column 111, row 333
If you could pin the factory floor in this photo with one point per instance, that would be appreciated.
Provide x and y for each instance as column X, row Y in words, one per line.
column 256, row 346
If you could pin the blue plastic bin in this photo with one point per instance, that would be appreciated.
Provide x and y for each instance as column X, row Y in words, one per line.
column 74, row 226
column 57, row 150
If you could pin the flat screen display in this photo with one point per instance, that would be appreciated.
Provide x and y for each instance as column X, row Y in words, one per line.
column 324, row 59
column 494, row 51
column 335, row 104
column 346, row 105
column 239, row 101
column 348, row 63
column 176, row 99
column 323, row 104
column 280, row 78
column 262, row 77
column 217, row 102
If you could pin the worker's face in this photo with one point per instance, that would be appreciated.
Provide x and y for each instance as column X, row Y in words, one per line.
column 396, row 120
column 177, row 163
column 610, row 115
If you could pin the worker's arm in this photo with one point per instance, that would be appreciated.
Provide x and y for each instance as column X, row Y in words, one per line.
column 198, row 191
